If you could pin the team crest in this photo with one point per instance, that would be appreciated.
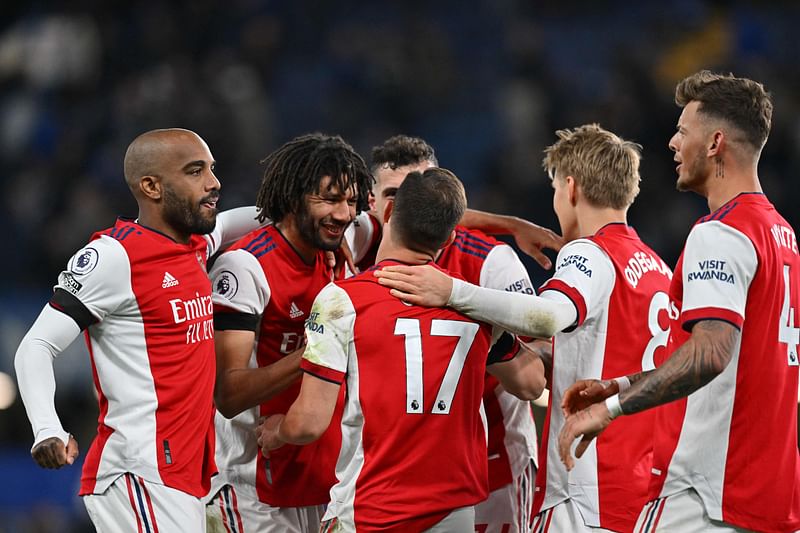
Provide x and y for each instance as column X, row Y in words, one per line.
column 84, row 261
column 226, row 284
column 200, row 259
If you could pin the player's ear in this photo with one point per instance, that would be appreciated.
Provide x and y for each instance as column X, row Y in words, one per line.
column 572, row 190
column 387, row 211
column 450, row 239
column 151, row 187
column 717, row 143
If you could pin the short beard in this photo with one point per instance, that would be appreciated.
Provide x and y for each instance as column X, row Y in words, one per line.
column 695, row 175
column 185, row 217
column 309, row 230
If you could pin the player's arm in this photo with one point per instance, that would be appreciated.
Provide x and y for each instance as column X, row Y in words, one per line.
column 94, row 284
column 713, row 312
column 543, row 349
column 520, row 371
column 241, row 292
column 329, row 330
column 307, row 418
column 231, row 226
column 704, row 356
column 51, row 333
column 530, row 238
column 524, row 314
column 238, row 386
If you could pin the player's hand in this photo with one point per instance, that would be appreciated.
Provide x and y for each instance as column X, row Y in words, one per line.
column 532, row 239
column 267, row 434
column 586, row 424
column 419, row 285
column 51, row 453
column 585, row 392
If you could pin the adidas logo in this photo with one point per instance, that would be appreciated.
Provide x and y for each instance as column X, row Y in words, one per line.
column 295, row 311
column 169, row 281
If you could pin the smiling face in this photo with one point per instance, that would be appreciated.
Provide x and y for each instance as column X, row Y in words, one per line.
column 325, row 215
column 190, row 190
column 387, row 180
column 690, row 144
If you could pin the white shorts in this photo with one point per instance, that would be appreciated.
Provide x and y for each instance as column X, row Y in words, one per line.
column 683, row 511
column 238, row 510
column 133, row 504
column 564, row 517
column 459, row 520
column 508, row 509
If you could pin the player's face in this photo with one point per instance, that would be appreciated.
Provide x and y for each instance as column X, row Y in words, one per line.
column 190, row 188
column 387, row 180
column 325, row 215
column 689, row 144
column 565, row 211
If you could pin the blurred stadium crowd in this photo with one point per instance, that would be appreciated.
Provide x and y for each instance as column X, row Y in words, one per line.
column 486, row 83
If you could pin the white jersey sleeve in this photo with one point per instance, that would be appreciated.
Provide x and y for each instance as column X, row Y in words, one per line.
column 503, row 270
column 361, row 235
column 50, row 335
column 584, row 273
column 329, row 330
column 719, row 262
column 232, row 225
column 98, row 275
column 238, row 282
column 522, row 314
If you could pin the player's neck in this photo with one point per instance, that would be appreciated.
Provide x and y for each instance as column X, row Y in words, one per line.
column 388, row 250
column 306, row 250
column 720, row 191
column 592, row 219
column 157, row 223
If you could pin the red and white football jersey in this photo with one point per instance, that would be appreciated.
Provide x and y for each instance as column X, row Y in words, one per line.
column 147, row 299
column 485, row 261
column 262, row 282
column 619, row 287
column 413, row 444
column 735, row 440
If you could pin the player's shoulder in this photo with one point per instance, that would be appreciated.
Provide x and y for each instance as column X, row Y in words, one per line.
column 336, row 295
column 130, row 235
column 365, row 277
column 102, row 263
column 744, row 211
column 476, row 239
column 101, row 251
column 257, row 242
column 583, row 247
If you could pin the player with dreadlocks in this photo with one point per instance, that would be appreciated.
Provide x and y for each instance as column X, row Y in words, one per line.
column 263, row 288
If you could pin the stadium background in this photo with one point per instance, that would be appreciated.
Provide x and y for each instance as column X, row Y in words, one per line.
column 486, row 83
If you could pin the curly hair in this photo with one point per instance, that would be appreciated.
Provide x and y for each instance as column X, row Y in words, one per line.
column 297, row 168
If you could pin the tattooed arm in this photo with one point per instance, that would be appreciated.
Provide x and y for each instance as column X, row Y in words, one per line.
column 699, row 360
column 696, row 362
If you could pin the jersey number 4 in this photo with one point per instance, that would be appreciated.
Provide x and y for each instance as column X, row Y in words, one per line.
column 788, row 333
column 410, row 329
